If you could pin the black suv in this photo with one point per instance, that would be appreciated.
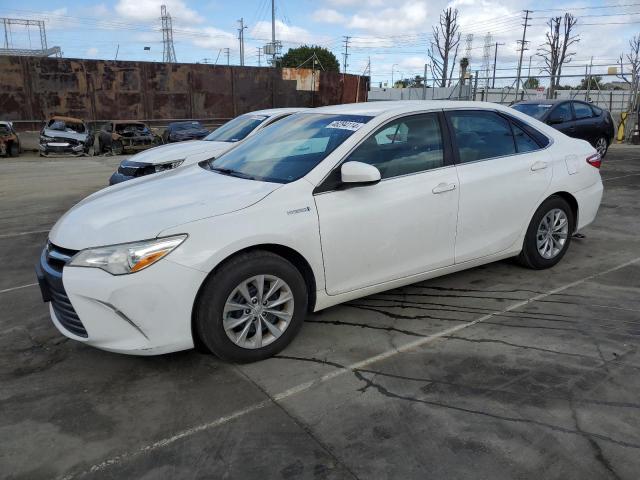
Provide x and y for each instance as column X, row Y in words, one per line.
column 574, row 118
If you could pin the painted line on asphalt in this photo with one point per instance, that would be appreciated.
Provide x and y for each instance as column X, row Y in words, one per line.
column 621, row 176
column 6, row 290
column 329, row 376
column 21, row 234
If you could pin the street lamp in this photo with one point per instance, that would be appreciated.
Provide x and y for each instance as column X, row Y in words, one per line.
column 394, row 65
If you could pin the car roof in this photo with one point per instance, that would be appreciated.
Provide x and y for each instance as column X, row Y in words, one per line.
column 276, row 111
column 185, row 122
column 375, row 109
column 543, row 101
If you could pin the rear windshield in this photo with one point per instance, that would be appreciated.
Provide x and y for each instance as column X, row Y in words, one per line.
column 536, row 110
column 236, row 129
column 4, row 130
column 62, row 126
column 288, row 149
column 186, row 126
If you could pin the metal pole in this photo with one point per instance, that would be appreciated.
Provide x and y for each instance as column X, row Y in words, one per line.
column 424, row 83
column 273, row 30
column 495, row 61
column 475, row 86
column 522, row 44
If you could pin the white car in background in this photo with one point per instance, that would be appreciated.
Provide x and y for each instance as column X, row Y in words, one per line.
column 324, row 207
column 167, row 157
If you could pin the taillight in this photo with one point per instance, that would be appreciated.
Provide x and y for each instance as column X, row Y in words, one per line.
column 594, row 160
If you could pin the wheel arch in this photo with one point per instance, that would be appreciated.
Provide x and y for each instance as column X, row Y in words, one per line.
column 288, row 253
column 573, row 203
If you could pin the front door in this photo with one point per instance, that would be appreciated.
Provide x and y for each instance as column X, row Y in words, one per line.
column 402, row 226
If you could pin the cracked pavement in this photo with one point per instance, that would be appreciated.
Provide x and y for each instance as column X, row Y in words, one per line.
column 497, row 372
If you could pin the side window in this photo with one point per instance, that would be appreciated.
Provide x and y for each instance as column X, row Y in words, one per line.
column 563, row 110
column 524, row 143
column 596, row 111
column 582, row 110
column 481, row 134
column 409, row 145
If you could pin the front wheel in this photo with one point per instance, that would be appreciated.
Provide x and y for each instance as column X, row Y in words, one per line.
column 602, row 146
column 116, row 147
column 252, row 307
column 549, row 234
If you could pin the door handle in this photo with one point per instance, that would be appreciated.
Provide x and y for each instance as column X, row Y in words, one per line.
column 443, row 187
column 538, row 166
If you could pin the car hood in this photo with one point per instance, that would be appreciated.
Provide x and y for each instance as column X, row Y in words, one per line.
column 81, row 137
column 140, row 209
column 178, row 151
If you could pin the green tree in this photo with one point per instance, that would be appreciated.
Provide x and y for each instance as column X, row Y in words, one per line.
column 531, row 83
column 297, row 56
column 415, row 82
column 592, row 83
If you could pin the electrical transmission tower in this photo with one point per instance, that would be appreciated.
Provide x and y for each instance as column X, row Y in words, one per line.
column 467, row 50
column 10, row 48
column 486, row 57
column 168, row 52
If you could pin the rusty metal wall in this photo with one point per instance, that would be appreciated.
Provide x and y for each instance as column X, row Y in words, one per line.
column 33, row 88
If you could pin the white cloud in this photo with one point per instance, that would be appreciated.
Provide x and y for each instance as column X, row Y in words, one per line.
column 328, row 15
column 91, row 52
column 287, row 33
column 408, row 17
column 147, row 10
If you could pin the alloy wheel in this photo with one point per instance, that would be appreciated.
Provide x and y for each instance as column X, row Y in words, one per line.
column 553, row 232
column 601, row 146
column 258, row 311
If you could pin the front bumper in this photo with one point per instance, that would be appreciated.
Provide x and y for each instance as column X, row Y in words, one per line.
column 145, row 313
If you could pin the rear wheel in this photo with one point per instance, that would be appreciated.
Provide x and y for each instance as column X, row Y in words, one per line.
column 252, row 307
column 602, row 146
column 549, row 234
column 116, row 147
column 14, row 149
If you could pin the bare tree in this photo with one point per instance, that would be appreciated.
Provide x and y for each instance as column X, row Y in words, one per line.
column 555, row 51
column 446, row 39
column 633, row 60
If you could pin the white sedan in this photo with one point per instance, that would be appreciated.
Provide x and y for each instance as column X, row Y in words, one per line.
column 168, row 157
column 326, row 206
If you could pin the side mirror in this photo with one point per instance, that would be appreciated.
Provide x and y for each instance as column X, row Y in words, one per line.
column 555, row 118
column 358, row 173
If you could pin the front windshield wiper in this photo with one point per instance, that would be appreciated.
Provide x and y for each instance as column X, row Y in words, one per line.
column 232, row 173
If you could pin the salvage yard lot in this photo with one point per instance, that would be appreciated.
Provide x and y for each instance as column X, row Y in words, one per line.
column 497, row 372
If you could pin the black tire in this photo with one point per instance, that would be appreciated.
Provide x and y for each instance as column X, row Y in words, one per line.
column 13, row 150
column 530, row 256
column 116, row 147
column 208, row 318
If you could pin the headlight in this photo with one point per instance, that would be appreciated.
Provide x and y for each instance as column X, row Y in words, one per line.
column 167, row 165
column 127, row 257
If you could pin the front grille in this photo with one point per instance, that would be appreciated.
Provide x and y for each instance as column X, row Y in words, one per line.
column 52, row 261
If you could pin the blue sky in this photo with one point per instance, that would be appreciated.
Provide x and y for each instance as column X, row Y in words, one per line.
column 394, row 35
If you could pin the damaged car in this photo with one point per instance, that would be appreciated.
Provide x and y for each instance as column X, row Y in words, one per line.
column 182, row 131
column 168, row 157
column 123, row 136
column 9, row 141
column 65, row 136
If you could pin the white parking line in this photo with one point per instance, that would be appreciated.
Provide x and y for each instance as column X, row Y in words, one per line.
column 331, row 375
column 18, row 288
column 621, row 176
column 21, row 234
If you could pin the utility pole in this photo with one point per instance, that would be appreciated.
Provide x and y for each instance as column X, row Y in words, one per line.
column 495, row 61
column 241, row 40
column 259, row 56
column 226, row 50
column 522, row 43
column 273, row 30
column 345, row 55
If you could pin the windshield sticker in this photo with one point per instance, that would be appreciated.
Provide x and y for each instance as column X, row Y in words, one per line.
column 345, row 125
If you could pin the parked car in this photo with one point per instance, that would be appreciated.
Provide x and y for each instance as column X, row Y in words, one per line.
column 321, row 208
column 574, row 118
column 65, row 136
column 181, row 131
column 9, row 141
column 122, row 136
column 168, row 157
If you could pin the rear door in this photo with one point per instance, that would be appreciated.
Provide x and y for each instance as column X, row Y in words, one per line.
column 503, row 175
column 568, row 124
column 586, row 122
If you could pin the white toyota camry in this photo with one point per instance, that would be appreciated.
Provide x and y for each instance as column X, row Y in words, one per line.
column 323, row 207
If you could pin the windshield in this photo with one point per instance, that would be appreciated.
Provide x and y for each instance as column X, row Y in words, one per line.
column 289, row 149
column 62, row 126
column 536, row 110
column 236, row 129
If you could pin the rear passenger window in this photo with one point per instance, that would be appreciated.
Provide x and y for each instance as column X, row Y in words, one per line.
column 524, row 143
column 481, row 135
column 409, row 145
column 582, row 110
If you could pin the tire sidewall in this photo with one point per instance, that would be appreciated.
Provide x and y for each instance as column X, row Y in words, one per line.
column 606, row 142
column 214, row 294
column 530, row 249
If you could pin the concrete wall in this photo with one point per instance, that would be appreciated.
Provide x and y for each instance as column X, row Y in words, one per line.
column 32, row 88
